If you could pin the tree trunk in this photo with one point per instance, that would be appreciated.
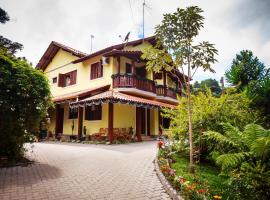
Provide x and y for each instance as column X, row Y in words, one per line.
column 191, row 163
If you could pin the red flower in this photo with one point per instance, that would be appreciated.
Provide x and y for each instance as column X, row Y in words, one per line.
column 201, row 191
column 160, row 144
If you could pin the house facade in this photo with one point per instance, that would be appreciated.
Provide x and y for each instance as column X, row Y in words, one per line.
column 107, row 89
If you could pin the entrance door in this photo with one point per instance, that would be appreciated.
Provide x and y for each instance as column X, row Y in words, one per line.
column 59, row 120
column 143, row 121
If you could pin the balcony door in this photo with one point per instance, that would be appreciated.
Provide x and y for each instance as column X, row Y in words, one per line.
column 141, row 72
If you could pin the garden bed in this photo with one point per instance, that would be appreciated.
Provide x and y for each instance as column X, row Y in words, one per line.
column 206, row 183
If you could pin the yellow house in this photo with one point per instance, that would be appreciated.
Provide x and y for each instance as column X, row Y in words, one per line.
column 109, row 89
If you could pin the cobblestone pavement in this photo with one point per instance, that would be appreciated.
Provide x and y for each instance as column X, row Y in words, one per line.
column 78, row 171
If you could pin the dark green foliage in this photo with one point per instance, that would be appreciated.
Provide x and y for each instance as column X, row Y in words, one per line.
column 7, row 45
column 251, row 181
column 24, row 100
column 259, row 93
column 245, row 69
column 234, row 147
column 3, row 16
column 208, row 83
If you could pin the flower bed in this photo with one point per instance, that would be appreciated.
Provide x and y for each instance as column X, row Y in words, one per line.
column 202, row 185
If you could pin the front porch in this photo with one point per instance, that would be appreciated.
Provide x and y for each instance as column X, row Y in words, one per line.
column 111, row 111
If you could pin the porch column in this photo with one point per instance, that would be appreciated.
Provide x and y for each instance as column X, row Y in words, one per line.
column 110, row 122
column 133, row 71
column 165, row 82
column 118, row 65
column 138, row 124
column 159, row 123
column 57, row 107
column 148, row 122
column 80, row 121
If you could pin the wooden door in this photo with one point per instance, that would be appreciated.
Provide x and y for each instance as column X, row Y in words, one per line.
column 59, row 120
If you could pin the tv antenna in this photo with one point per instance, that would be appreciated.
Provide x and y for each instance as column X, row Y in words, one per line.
column 143, row 17
column 92, row 37
column 125, row 39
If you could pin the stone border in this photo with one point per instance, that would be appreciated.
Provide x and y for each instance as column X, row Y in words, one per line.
column 168, row 187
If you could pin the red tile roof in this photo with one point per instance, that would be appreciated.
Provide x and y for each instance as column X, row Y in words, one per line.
column 52, row 50
column 113, row 95
column 116, row 47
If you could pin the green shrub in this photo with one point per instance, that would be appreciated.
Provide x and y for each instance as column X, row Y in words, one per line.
column 208, row 113
column 24, row 100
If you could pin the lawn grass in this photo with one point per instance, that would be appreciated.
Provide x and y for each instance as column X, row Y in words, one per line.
column 206, row 172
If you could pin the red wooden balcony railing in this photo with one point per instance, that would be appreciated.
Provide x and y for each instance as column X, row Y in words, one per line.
column 132, row 81
column 129, row 80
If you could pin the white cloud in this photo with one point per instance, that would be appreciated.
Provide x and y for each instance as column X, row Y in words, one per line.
column 35, row 23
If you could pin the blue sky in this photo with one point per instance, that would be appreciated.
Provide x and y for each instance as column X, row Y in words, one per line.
column 232, row 25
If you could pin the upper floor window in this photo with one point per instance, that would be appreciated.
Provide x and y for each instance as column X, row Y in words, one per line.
column 96, row 70
column 54, row 80
column 67, row 79
column 157, row 76
column 128, row 68
column 93, row 112
column 141, row 72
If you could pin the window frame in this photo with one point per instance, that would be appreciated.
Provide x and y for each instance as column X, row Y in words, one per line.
column 73, row 115
column 93, row 115
column 96, row 70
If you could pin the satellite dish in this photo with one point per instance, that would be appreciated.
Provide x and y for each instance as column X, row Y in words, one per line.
column 127, row 37
column 105, row 60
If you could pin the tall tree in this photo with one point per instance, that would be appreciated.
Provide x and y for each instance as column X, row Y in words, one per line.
column 7, row 45
column 208, row 83
column 246, row 68
column 176, row 49
column 24, row 98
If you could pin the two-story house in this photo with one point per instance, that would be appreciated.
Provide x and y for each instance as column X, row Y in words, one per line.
column 110, row 88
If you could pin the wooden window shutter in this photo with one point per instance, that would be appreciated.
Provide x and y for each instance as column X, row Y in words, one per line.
column 73, row 77
column 100, row 70
column 61, row 79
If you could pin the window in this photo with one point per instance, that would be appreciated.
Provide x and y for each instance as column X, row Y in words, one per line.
column 67, row 79
column 128, row 68
column 141, row 72
column 73, row 113
column 54, row 80
column 96, row 70
column 93, row 112
column 157, row 76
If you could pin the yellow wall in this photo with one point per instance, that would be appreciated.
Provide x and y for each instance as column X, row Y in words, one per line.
column 94, row 126
column 154, row 122
column 124, row 117
column 83, row 73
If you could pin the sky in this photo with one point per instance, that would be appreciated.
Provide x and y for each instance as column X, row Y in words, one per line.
column 232, row 25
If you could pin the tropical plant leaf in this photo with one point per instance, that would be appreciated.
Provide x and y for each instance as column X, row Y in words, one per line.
column 253, row 131
column 261, row 147
column 231, row 160
column 221, row 140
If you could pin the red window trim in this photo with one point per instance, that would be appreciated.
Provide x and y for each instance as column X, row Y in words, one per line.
column 62, row 78
column 96, row 70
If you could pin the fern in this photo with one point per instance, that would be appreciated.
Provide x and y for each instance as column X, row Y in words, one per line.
column 231, row 160
column 261, row 147
column 253, row 131
column 218, row 138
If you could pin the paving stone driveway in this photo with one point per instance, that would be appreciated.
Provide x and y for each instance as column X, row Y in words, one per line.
column 77, row 171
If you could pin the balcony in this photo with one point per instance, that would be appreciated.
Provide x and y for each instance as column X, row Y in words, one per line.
column 161, row 90
column 133, row 81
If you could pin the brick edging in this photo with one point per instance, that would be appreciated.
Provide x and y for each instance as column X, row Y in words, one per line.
column 168, row 187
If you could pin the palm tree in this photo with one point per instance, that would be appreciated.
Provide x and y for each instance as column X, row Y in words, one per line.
column 234, row 147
